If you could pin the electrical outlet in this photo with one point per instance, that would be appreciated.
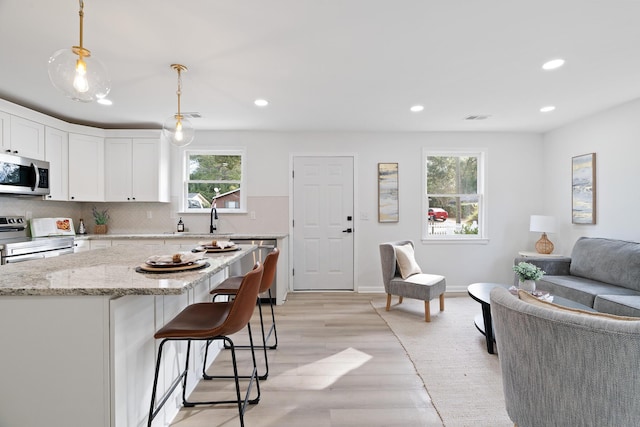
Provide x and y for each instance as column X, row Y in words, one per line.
column 252, row 215
column 149, row 214
column 364, row 216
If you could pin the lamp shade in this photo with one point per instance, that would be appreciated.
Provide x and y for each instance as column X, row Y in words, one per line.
column 542, row 224
column 93, row 84
column 178, row 130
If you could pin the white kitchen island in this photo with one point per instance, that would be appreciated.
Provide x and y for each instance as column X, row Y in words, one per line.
column 76, row 336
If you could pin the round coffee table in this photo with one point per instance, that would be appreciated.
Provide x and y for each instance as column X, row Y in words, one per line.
column 481, row 292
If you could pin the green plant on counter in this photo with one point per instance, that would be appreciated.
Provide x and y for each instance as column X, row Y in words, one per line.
column 100, row 217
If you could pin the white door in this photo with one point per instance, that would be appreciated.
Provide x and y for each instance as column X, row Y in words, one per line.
column 323, row 223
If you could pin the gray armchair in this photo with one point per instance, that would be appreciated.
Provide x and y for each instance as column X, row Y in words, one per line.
column 560, row 368
column 419, row 286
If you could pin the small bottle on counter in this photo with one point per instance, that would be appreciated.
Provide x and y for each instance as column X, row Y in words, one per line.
column 180, row 225
column 81, row 229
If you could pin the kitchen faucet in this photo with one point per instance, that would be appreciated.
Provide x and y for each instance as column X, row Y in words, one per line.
column 214, row 216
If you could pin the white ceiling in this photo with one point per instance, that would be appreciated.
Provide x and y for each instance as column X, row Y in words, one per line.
column 350, row 65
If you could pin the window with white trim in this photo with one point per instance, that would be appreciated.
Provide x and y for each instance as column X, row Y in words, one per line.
column 453, row 203
column 214, row 176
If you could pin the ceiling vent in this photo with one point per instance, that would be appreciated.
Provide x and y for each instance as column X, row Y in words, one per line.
column 477, row 117
column 192, row 115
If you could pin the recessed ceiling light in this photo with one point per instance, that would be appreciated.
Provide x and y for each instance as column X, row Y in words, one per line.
column 417, row 108
column 261, row 102
column 553, row 64
column 104, row 101
column 547, row 109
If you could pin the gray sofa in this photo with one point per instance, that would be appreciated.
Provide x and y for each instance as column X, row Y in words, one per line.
column 601, row 273
column 560, row 368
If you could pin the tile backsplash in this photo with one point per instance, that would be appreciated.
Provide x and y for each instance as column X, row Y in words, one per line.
column 271, row 215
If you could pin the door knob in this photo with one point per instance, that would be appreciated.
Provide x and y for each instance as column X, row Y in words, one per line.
column 348, row 230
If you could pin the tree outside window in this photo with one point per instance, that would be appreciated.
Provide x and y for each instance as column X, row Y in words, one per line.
column 214, row 176
column 453, row 184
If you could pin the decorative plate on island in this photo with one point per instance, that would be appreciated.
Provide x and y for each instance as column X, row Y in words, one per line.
column 212, row 249
column 165, row 264
column 147, row 268
column 217, row 246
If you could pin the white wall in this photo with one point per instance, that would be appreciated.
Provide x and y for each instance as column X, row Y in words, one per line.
column 514, row 192
column 614, row 136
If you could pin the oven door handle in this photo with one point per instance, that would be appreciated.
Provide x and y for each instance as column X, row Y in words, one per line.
column 7, row 229
column 19, row 258
column 36, row 177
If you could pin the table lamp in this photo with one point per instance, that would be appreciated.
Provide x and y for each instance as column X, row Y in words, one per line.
column 544, row 225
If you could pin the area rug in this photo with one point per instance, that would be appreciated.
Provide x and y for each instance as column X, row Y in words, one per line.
column 450, row 356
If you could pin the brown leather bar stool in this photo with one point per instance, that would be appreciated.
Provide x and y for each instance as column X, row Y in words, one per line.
column 230, row 286
column 212, row 321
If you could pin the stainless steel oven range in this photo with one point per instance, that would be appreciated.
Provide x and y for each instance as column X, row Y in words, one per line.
column 16, row 245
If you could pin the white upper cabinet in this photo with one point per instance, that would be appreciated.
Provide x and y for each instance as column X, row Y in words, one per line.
column 56, row 152
column 117, row 160
column 26, row 138
column 86, row 168
column 5, row 120
column 136, row 169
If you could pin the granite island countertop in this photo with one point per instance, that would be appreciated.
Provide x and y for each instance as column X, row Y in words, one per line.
column 109, row 271
column 183, row 235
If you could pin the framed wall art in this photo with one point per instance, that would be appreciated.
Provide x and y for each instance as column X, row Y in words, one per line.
column 583, row 189
column 388, row 202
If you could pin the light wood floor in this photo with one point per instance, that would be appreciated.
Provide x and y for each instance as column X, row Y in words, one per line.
column 337, row 364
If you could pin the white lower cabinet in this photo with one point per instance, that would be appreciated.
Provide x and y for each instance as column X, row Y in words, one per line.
column 134, row 321
column 55, row 365
column 156, row 246
column 99, row 244
column 81, row 245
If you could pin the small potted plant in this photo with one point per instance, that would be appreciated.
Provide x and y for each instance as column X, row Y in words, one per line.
column 101, row 218
column 527, row 275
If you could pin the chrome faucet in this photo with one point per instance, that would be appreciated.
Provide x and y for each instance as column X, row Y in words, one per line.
column 214, row 216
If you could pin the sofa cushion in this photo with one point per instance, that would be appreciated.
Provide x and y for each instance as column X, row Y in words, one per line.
column 623, row 305
column 607, row 260
column 579, row 289
column 527, row 297
column 406, row 260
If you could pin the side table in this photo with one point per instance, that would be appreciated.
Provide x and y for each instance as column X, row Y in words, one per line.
column 528, row 254
column 481, row 292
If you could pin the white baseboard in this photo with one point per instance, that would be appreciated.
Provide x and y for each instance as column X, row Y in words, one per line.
column 377, row 289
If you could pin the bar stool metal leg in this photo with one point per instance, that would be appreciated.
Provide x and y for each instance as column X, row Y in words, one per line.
column 265, row 337
column 242, row 402
column 208, row 322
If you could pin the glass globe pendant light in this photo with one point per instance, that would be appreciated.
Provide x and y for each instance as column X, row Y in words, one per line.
column 76, row 73
column 178, row 129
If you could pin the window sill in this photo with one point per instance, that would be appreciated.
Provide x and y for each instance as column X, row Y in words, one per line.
column 456, row 241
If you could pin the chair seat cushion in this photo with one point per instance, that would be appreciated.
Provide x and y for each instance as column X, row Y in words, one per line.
column 228, row 286
column 200, row 320
column 420, row 286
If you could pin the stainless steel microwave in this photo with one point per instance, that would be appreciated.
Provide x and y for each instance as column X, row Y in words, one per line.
column 23, row 176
